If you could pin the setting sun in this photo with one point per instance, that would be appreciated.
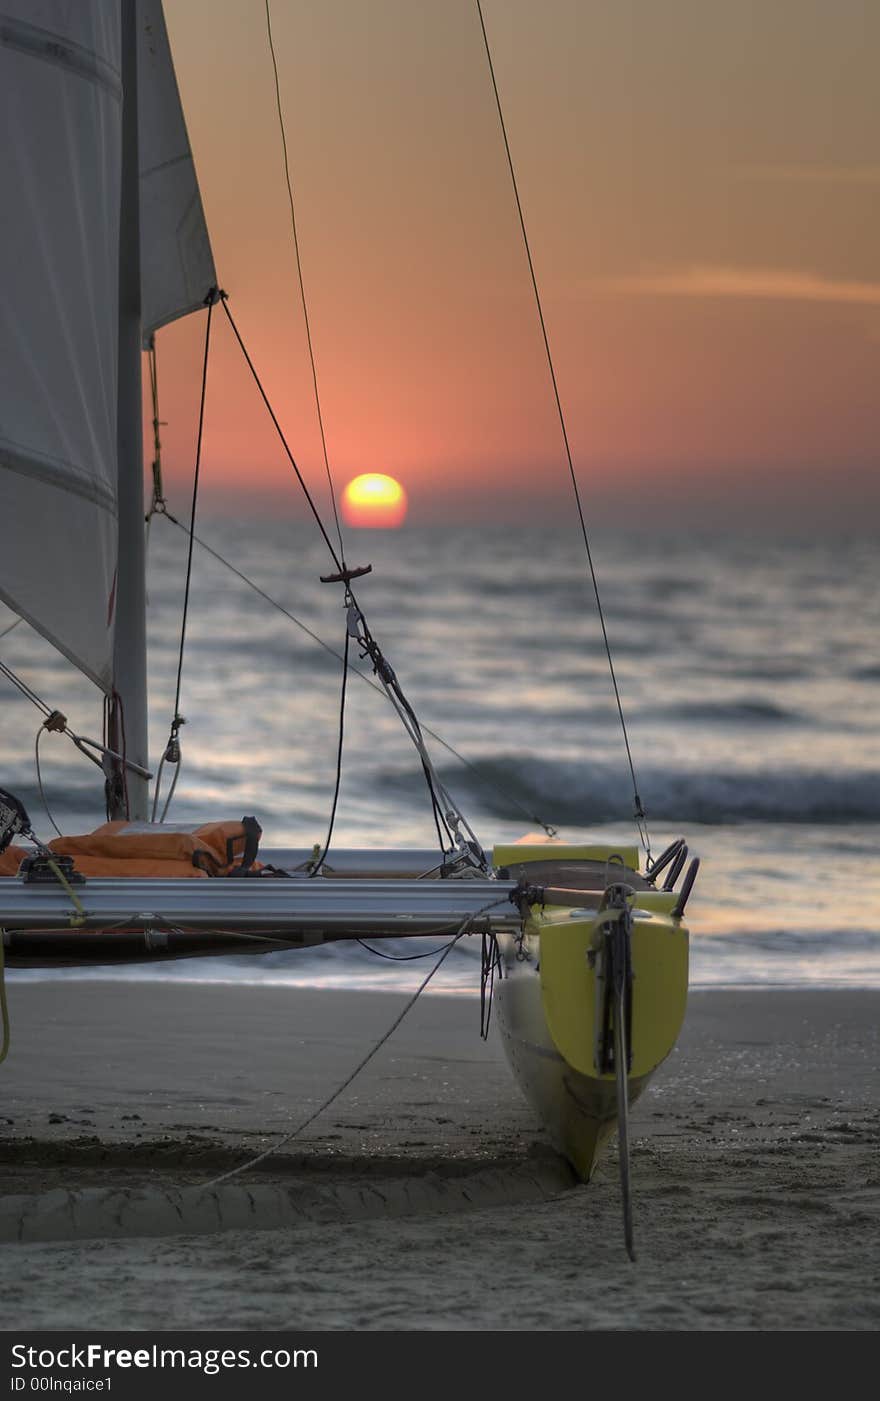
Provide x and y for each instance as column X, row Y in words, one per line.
column 374, row 500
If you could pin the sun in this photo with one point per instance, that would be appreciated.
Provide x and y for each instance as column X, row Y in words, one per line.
column 374, row 500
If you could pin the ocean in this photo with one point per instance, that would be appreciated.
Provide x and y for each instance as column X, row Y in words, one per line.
column 749, row 671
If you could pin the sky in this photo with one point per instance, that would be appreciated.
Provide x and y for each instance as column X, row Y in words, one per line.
column 701, row 185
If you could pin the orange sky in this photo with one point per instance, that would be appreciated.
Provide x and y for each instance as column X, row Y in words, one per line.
column 701, row 182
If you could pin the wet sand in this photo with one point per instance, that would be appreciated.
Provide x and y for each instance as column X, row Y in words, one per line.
column 427, row 1197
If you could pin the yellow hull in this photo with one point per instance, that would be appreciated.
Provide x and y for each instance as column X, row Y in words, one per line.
column 550, row 997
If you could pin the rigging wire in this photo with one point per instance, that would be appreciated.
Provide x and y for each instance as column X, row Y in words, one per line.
column 364, row 637
column 368, row 680
column 357, row 626
column 56, row 723
column 465, row 928
column 302, row 288
column 25, row 689
column 224, row 302
column 40, row 732
column 323, row 856
column 446, row 812
column 178, row 765
column 640, row 818
column 172, row 749
column 192, row 519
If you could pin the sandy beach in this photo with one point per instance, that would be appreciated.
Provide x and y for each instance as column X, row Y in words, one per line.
column 427, row 1197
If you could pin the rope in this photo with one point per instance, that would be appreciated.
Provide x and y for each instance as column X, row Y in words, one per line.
column 158, row 499
column 490, row 959
column 302, row 289
column 178, row 764
column 640, row 818
column 172, row 748
column 192, row 519
column 400, row 957
column 368, row 680
column 323, row 856
column 43, row 799
column 294, row 1133
column 80, row 917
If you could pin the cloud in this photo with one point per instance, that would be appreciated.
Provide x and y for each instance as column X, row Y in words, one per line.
column 762, row 284
column 811, row 174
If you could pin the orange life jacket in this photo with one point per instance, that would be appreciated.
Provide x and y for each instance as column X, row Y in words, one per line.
column 125, row 849
column 11, row 859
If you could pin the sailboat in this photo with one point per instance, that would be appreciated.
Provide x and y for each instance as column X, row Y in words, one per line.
column 104, row 242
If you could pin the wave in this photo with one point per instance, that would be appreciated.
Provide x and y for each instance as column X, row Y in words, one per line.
column 742, row 712
column 716, row 663
column 582, row 794
column 525, row 789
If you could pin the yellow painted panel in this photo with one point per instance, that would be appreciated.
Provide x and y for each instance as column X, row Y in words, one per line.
column 568, row 989
column 659, row 902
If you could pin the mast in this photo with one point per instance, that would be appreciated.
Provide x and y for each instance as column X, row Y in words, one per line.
column 129, row 728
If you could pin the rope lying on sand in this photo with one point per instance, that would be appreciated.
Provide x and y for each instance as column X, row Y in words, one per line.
column 465, row 928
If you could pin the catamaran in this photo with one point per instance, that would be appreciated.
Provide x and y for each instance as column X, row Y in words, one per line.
column 104, row 241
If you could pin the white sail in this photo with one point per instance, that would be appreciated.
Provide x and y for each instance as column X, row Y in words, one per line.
column 60, row 114
column 177, row 268
column 60, row 167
